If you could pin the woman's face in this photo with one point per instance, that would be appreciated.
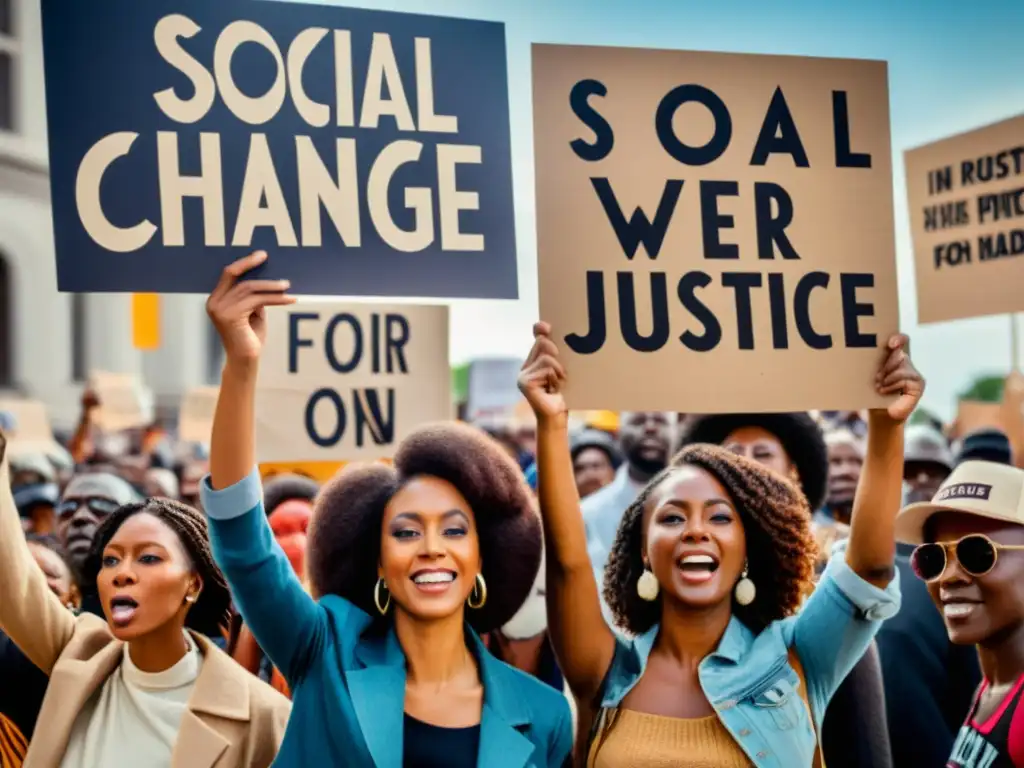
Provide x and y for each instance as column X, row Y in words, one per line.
column 759, row 445
column 145, row 577
column 429, row 553
column 694, row 539
column 58, row 575
column 976, row 608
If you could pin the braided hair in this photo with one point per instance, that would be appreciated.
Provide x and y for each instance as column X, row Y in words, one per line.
column 781, row 549
column 212, row 611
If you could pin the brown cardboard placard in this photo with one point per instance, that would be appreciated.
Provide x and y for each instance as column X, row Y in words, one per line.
column 32, row 432
column 587, row 99
column 195, row 418
column 124, row 403
column 966, row 198
column 347, row 382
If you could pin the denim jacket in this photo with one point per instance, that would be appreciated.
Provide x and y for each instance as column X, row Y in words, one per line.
column 749, row 680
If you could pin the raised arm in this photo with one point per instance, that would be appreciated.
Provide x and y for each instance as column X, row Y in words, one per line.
column 872, row 549
column 583, row 642
column 284, row 619
column 30, row 614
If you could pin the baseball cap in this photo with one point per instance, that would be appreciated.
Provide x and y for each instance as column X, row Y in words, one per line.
column 981, row 488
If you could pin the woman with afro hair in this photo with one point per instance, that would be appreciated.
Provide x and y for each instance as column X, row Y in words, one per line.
column 406, row 565
column 733, row 658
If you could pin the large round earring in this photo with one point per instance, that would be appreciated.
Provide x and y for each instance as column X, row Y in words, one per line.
column 647, row 586
column 381, row 607
column 478, row 597
column 745, row 591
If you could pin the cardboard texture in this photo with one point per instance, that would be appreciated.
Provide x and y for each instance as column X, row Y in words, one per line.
column 333, row 388
column 966, row 198
column 124, row 402
column 32, row 432
column 195, row 418
column 587, row 98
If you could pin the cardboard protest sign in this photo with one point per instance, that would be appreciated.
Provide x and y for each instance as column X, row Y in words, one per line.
column 28, row 427
column 344, row 382
column 195, row 417
column 715, row 231
column 369, row 150
column 966, row 197
column 124, row 402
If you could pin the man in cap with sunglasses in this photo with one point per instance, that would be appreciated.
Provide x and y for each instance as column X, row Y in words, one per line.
column 970, row 553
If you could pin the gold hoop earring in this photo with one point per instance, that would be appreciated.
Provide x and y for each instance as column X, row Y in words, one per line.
column 383, row 609
column 478, row 597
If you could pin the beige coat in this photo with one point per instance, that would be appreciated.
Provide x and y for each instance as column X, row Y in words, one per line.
column 233, row 720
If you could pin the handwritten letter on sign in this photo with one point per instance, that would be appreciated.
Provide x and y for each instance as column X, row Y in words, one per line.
column 966, row 197
column 715, row 231
column 370, row 148
column 344, row 382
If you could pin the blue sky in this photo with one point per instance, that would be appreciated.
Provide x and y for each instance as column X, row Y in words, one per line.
column 952, row 66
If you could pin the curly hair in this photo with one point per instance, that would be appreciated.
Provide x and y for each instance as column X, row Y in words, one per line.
column 212, row 611
column 345, row 532
column 282, row 488
column 800, row 435
column 776, row 520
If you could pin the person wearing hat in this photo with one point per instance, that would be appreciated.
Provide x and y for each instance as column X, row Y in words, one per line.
column 986, row 445
column 35, row 490
column 970, row 553
column 793, row 445
column 595, row 459
column 927, row 461
column 929, row 681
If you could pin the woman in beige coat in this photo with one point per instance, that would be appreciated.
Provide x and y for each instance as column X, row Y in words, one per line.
column 146, row 687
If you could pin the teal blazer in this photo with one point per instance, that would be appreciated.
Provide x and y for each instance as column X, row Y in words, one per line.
column 347, row 677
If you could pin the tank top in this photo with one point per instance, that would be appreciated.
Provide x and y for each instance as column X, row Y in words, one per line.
column 996, row 743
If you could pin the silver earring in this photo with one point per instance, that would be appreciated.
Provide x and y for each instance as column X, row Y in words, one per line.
column 745, row 591
column 647, row 586
column 190, row 598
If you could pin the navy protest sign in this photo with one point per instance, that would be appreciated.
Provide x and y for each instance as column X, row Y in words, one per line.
column 368, row 151
column 715, row 231
column 345, row 382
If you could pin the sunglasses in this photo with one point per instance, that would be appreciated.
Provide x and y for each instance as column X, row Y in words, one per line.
column 976, row 553
column 100, row 507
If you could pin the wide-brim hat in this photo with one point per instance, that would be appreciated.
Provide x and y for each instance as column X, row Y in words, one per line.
column 799, row 434
column 981, row 488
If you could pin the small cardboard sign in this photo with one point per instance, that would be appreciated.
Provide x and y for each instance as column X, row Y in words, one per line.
column 346, row 382
column 195, row 418
column 30, row 426
column 966, row 197
column 124, row 402
column 715, row 231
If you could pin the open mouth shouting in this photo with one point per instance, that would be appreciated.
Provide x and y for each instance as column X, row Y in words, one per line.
column 958, row 609
column 122, row 610
column 433, row 581
column 697, row 567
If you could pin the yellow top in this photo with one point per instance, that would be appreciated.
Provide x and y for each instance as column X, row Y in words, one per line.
column 640, row 740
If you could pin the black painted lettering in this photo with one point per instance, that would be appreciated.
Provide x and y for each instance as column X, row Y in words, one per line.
column 779, row 135
column 398, row 337
column 356, row 356
column 628, row 321
column 597, row 329
column 372, row 418
column 639, row 229
column 337, row 407
column 713, row 222
column 294, row 342
column 854, row 310
column 771, row 225
column 683, row 153
column 802, row 310
column 743, row 283
column 688, row 285
column 777, row 302
column 604, row 137
column 845, row 158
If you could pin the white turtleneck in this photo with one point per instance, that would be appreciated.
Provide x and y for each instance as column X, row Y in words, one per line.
column 134, row 714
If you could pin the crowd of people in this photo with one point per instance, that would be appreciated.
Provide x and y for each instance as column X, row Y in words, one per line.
column 770, row 590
